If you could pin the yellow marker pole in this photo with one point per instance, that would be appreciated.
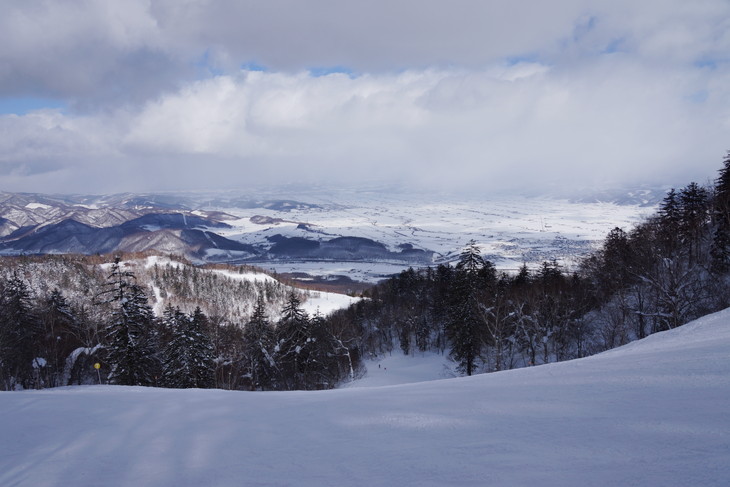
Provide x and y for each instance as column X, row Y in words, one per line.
column 97, row 366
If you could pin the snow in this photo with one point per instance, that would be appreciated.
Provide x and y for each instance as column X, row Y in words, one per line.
column 326, row 303
column 157, row 307
column 653, row 413
column 397, row 368
column 159, row 260
column 35, row 206
column 510, row 229
column 245, row 276
column 39, row 363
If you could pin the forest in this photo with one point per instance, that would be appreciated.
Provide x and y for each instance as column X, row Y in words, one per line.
column 670, row 269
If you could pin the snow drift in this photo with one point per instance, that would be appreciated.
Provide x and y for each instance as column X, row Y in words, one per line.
column 652, row 413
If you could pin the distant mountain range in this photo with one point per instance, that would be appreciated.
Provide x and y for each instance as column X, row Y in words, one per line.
column 375, row 232
column 53, row 224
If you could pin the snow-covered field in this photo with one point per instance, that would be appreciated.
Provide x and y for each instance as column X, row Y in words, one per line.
column 510, row 229
column 653, row 413
column 325, row 303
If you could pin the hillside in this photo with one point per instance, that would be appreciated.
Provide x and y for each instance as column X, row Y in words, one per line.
column 225, row 291
column 653, row 412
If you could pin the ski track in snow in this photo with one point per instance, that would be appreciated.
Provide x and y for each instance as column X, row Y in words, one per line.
column 653, row 413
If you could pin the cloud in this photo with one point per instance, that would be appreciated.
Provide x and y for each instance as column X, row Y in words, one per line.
column 470, row 94
column 96, row 51
column 505, row 126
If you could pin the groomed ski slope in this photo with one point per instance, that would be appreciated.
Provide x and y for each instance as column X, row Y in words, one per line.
column 653, row 413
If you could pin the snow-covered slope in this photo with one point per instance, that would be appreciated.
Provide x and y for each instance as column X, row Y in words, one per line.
column 654, row 413
column 396, row 368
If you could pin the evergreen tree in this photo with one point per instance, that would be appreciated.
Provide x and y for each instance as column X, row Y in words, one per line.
column 61, row 327
column 20, row 331
column 722, row 190
column 470, row 260
column 129, row 335
column 188, row 357
column 721, row 213
column 523, row 276
column 694, row 214
column 669, row 219
column 258, row 349
column 465, row 328
column 293, row 343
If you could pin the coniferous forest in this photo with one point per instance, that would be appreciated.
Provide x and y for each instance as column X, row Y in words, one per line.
column 670, row 269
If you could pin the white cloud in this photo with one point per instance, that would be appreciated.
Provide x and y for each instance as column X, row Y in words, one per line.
column 472, row 93
column 613, row 120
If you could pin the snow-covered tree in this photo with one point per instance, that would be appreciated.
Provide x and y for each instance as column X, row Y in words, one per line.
column 59, row 339
column 188, row 357
column 259, row 341
column 19, row 334
column 465, row 328
column 129, row 334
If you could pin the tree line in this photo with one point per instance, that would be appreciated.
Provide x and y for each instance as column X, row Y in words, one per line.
column 49, row 342
column 670, row 269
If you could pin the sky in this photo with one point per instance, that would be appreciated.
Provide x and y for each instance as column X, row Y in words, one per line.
column 479, row 95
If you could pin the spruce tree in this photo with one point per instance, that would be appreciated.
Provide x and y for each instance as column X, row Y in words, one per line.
column 721, row 214
column 188, row 357
column 20, row 331
column 59, row 340
column 465, row 329
column 130, row 341
column 694, row 215
column 259, row 342
column 203, row 360
column 292, row 346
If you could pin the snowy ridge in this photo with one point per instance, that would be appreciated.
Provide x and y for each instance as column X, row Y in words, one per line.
column 651, row 413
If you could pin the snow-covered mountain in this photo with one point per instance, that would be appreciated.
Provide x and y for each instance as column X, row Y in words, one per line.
column 364, row 234
column 653, row 412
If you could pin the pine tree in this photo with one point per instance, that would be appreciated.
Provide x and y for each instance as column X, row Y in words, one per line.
column 204, row 365
column 523, row 276
column 694, row 215
column 721, row 214
column 722, row 190
column 292, row 346
column 188, row 357
column 465, row 328
column 129, row 335
column 258, row 349
column 19, row 335
column 669, row 218
column 61, row 326
column 470, row 259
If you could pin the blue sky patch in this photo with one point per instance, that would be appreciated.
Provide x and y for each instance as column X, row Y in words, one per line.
column 24, row 105
column 253, row 66
column 525, row 58
column 324, row 71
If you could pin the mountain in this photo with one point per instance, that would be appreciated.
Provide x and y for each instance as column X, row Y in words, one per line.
column 344, row 249
column 186, row 235
column 365, row 234
column 653, row 412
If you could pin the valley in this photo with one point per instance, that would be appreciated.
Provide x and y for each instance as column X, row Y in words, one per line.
column 365, row 235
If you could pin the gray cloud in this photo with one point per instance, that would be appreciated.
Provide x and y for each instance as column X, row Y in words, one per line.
column 470, row 93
